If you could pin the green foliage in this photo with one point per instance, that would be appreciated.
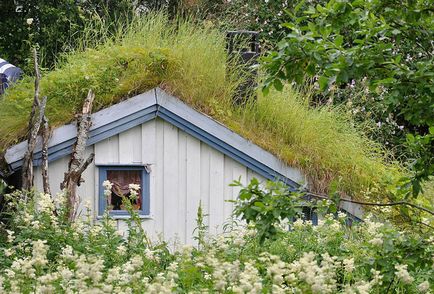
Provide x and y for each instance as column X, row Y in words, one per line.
column 201, row 228
column 264, row 17
column 56, row 26
column 423, row 164
column 386, row 44
column 40, row 252
column 266, row 208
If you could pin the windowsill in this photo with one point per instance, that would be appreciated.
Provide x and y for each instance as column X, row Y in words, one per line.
column 124, row 216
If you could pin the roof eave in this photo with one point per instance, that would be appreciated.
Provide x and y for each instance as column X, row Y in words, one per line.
column 157, row 103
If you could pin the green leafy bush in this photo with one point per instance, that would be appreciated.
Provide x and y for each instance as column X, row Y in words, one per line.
column 266, row 205
column 385, row 44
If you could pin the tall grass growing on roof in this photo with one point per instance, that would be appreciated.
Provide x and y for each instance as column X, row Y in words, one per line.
column 190, row 61
column 322, row 141
column 183, row 57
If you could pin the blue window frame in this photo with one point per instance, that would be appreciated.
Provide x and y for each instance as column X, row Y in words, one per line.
column 105, row 171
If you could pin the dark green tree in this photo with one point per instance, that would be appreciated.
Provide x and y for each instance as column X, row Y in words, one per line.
column 55, row 26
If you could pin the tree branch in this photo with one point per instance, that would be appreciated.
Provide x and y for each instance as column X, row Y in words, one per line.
column 86, row 164
column 376, row 204
column 44, row 167
column 33, row 129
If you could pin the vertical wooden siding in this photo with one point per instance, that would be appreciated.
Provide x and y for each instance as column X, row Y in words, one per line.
column 184, row 173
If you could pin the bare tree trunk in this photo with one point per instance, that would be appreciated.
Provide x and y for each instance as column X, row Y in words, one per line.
column 77, row 163
column 34, row 125
column 45, row 139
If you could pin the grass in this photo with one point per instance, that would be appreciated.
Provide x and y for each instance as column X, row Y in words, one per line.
column 321, row 141
column 190, row 61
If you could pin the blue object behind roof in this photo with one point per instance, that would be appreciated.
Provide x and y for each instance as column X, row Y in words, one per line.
column 9, row 73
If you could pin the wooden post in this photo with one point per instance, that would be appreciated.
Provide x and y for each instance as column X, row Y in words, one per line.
column 77, row 163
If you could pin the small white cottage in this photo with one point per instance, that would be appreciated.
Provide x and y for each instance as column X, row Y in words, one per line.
column 178, row 156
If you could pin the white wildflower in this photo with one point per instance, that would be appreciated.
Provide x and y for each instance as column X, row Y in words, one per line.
column 11, row 236
column 107, row 188
column 363, row 287
column 134, row 191
column 121, row 250
column 342, row 215
column 377, row 241
column 35, row 224
column 45, row 203
column 29, row 21
column 67, row 253
column 135, row 187
column 377, row 279
column 423, row 287
column 40, row 252
column 298, row 224
column 403, row 274
column 349, row 265
column 8, row 252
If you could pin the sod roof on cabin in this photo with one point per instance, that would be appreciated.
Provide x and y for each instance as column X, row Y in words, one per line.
column 191, row 62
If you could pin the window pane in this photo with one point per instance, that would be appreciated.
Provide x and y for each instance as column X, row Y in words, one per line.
column 121, row 179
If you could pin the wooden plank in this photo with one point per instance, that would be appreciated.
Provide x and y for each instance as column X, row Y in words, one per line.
column 250, row 175
column 239, row 172
column 130, row 146
column 193, row 185
column 96, row 189
column 107, row 151
column 182, row 185
column 170, row 167
column 122, row 228
column 149, row 155
column 216, row 191
column 148, row 142
column 56, row 172
column 86, row 190
column 204, row 179
column 228, row 190
column 148, row 227
column 158, row 170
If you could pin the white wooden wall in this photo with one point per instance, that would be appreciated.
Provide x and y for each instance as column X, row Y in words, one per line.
column 184, row 171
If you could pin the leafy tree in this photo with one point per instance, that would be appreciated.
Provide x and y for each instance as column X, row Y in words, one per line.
column 56, row 26
column 388, row 45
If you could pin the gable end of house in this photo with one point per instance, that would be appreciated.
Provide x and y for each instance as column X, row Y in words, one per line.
column 157, row 103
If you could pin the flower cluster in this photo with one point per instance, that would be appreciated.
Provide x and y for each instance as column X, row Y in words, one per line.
column 91, row 257
column 107, row 188
column 134, row 191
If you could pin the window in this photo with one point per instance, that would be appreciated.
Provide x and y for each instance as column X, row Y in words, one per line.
column 121, row 177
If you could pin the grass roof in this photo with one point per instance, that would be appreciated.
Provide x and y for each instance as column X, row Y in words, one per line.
column 191, row 62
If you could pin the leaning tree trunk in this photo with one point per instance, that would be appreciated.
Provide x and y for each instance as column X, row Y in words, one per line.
column 77, row 163
column 36, row 117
